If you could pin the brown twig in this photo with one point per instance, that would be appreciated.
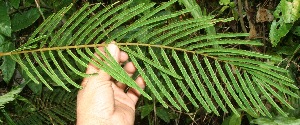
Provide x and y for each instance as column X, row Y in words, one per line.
column 240, row 8
column 39, row 8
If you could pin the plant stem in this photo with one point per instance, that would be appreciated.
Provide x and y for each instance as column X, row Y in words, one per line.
column 197, row 13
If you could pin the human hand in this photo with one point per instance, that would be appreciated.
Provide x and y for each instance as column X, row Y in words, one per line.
column 103, row 101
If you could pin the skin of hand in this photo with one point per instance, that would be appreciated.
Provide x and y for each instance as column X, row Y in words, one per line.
column 103, row 101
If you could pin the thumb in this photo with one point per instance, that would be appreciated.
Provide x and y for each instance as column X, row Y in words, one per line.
column 102, row 75
column 114, row 51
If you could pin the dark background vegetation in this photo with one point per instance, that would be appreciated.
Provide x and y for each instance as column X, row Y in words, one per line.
column 255, row 17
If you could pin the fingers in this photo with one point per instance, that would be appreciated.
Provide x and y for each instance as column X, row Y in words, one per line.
column 120, row 57
column 130, row 69
column 101, row 75
column 123, row 57
column 133, row 93
column 114, row 51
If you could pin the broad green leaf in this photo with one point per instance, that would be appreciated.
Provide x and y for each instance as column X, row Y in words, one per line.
column 25, row 19
column 233, row 120
column 8, row 65
column 263, row 121
column 15, row 3
column 5, row 24
column 290, row 10
column 145, row 110
column 287, row 12
column 36, row 88
column 278, row 30
column 163, row 114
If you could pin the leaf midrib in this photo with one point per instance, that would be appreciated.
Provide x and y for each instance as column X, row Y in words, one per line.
column 97, row 45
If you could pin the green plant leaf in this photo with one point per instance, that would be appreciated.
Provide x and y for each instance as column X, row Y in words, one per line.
column 182, row 68
column 145, row 110
column 24, row 19
column 58, row 107
column 224, row 2
column 279, row 120
column 15, row 3
column 10, row 96
column 287, row 12
column 163, row 114
column 5, row 24
column 233, row 120
column 8, row 65
column 36, row 88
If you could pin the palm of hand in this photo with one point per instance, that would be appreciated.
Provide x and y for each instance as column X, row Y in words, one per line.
column 102, row 101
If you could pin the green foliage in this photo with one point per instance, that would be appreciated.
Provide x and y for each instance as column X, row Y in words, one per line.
column 279, row 120
column 5, row 25
column 15, row 3
column 163, row 114
column 10, row 96
column 146, row 110
column 227, row 4
column 185, row 71
column 165, row 49
column 24, row 19
column 224, row 2
column 52, row 107
column 196, row 12
column 8, row 65
column 232, row 120
column 287, row 12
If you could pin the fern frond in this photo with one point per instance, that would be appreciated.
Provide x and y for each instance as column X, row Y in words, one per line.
column 246, row 90
column 263, row 110
column 159, row 83
column 268, row 97
column 257, row 63
column 217, row 83
column 147, row 80
column 229, row 87
column 145, row 59
column 10, row 96
column 208, row 37
column 172, row 57
column 187, row 79
column 198, row 84
column 52, row 107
